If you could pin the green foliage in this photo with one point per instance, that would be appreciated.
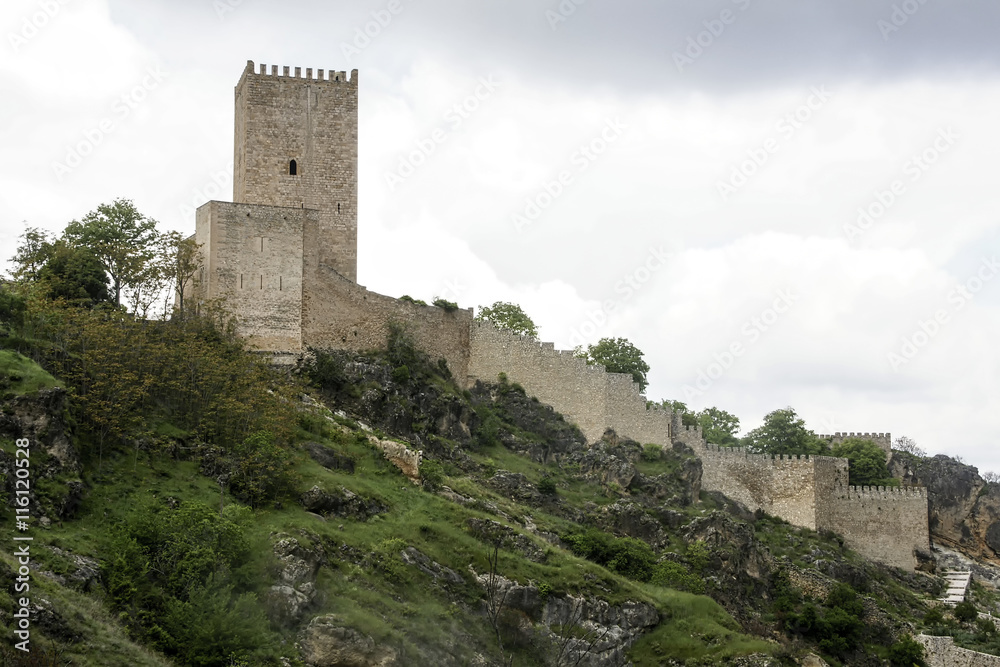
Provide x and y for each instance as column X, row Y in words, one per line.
column 547, row 485
column 618, row 355
column 124, row 241
column 836, row 627
column 934, row 616
column 260, row 470
column 448, row 306
column 783, row 432
column 178, row 579
column 13, row 308
column 907, row 652
column 74, row 275
column 965, row 612
column 697, row 556
column 626, row 556
column 431, row 474
column 409, row 299
column 867, row 464
column 33, row 251
column 401, row 374
column 20, row 375
column 719, row 427
column 671, row 574
column 509, row 317
column 651, row 452
column 688, row 418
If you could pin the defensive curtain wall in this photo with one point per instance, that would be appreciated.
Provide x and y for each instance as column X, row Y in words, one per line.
column 884, row 523
column 283, row 259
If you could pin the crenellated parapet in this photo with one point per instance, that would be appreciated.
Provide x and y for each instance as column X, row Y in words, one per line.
column 883, row 492
column 334, row 76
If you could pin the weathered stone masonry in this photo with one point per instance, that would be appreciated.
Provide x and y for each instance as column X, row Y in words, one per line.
column 283, row 258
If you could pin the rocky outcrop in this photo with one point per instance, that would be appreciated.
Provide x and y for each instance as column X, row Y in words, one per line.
column 295, row 589
column 327, row 642
column 401, row 456
column 41, row 418
column 494, row 533
column 964, row 509
column 340, row 502
column 581, row 631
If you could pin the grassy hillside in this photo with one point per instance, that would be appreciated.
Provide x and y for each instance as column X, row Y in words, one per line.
column 219, row 512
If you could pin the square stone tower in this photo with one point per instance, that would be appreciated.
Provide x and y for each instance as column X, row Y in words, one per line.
column 297, row 147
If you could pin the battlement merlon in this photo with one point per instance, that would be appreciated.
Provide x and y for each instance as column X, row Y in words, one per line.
column 321, row 75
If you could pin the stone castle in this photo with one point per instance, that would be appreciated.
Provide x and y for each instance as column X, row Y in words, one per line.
column 283, row 258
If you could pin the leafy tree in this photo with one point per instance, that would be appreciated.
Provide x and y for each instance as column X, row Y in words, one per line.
column 508, row 316
column 719, row 427
column 783, row 432
column 126, row 243
column 180, row 260
column 965, row 612
column 618, row 355
column 74, row 275
column 866, row 460
column 907, row 652
column 33, row 251
column 908, row 445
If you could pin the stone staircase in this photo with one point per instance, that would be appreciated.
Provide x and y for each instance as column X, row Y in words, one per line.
column 958, row 585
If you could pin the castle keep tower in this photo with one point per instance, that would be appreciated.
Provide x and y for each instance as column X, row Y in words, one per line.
column 294, row 219
column 297, row 146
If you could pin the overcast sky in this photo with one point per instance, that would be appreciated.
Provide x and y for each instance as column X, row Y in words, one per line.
column 782, row 203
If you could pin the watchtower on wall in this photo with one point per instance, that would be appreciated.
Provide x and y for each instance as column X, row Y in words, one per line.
column 296, row 146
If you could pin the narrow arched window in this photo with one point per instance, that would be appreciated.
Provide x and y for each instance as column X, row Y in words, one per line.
column 293, row 168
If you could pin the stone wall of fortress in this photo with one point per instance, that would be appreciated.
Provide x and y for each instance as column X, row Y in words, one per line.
column 942, row 652
column 340, row 314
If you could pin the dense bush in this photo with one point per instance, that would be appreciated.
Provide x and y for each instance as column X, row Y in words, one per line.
column 626, row 556
column 180, row 581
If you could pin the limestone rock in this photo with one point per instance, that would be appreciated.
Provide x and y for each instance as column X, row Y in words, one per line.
column 328, row 458
column 40, row 417
column 340, row 502
column 295, row 589
column 412, row 556
column 326, row 642
column 515, row 486
column 964, row 510
column 495, row 533
column 401, row 456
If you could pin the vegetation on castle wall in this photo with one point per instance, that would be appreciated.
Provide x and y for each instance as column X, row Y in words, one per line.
column 784, row 432
column 618, row 355
column 509, row 317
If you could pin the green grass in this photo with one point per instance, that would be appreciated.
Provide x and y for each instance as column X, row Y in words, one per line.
column 21, row 375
